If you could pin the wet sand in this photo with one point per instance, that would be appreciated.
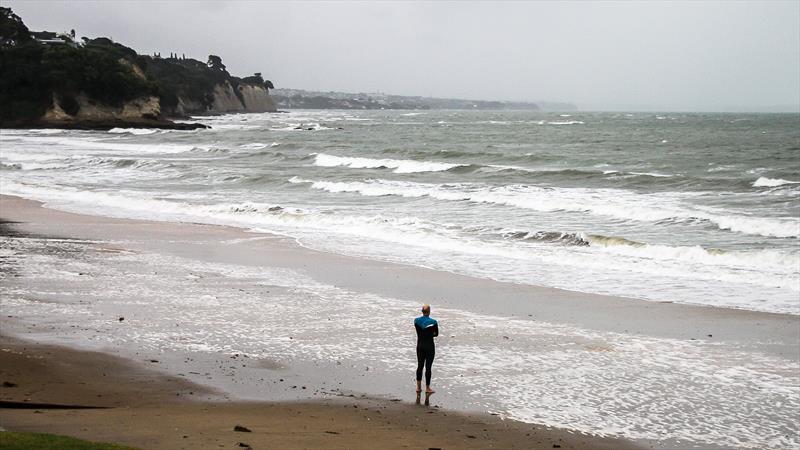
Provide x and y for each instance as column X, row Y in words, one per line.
column 142, row 408
column 153, row 407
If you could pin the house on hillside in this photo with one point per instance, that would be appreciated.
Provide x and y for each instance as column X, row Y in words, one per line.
column 52, row 38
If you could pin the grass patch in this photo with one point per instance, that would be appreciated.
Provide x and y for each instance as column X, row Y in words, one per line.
column 40, row 441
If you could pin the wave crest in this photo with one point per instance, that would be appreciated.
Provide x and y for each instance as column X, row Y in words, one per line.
column 615, row 203
column 772, row 182
column 137, row 131
column 556, row 237
column 399, row 165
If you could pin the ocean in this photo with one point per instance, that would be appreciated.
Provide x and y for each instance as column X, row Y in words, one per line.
column 699, row 209
column 688, row 208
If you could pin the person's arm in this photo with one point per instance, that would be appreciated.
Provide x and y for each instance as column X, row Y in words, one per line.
column 435, row 330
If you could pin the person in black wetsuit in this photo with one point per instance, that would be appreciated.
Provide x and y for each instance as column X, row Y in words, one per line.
column 427, row 329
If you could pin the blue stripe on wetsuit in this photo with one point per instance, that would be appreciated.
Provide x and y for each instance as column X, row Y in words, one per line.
column 427, row 329
column 425, row 322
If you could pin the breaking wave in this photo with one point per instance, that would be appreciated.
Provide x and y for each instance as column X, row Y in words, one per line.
column 759, row 259
column 566, row 122
column 556, row 237
column 399, row 165
column 614, row 203
column 136, row 131
column 772, row 182
column 596, row 214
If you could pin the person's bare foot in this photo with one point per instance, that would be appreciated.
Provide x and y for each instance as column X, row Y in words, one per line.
column 429, row 391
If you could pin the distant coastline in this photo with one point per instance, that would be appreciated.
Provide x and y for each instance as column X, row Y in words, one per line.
column 307, row 99
column 55, row 80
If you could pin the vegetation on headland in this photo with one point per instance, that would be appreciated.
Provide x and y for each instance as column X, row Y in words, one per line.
column 39, row 69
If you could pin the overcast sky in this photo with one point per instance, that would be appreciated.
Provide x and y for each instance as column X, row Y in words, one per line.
column 687, row 56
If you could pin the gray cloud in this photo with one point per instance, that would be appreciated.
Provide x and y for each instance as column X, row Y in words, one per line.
column 690, row 56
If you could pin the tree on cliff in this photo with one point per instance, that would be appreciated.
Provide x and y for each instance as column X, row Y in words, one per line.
column 258, row 80
column 34, row 75
column 215, row 63
column 12, row 30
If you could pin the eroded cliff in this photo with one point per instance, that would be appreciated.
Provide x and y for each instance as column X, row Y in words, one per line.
column 84, row 108
column 256, row 98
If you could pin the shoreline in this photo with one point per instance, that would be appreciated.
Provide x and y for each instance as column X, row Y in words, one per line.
column 594, row 311
column 137, row 402
column 127, row 403
column 774, row 335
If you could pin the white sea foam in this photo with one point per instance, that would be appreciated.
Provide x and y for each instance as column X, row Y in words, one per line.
column 399, row 165
column 521, row 369
column 301, row 126
column 566, row 122
column 111, row 145
column 232, row 127
column 652, row 174
column 43, row 132
column 720, row 168
column 750, row 260
column 772, row 182
column 253, row 146
column 615, row 203
column 145, row 177
column 136, row 131
column 649, row 271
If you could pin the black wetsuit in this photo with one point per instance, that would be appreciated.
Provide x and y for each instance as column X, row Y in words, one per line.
column 427, row 329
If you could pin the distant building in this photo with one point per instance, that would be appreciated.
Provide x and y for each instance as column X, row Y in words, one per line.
column 51, row 38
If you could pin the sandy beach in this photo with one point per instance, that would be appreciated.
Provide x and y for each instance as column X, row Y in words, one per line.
column 101, row 397
column 159, row 394
column 137, row 406
column 259, row 224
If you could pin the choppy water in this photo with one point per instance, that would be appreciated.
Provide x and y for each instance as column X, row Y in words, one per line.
column 196, row 317
column 690, row 208
column 695, row 208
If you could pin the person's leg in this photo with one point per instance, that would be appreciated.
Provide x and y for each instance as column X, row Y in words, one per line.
column 428, row 363
column 420, row 365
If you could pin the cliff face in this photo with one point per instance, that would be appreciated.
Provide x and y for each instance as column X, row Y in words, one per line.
column 225, row 98
column 256, row 98
column 186, row 106
column 87, row 109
